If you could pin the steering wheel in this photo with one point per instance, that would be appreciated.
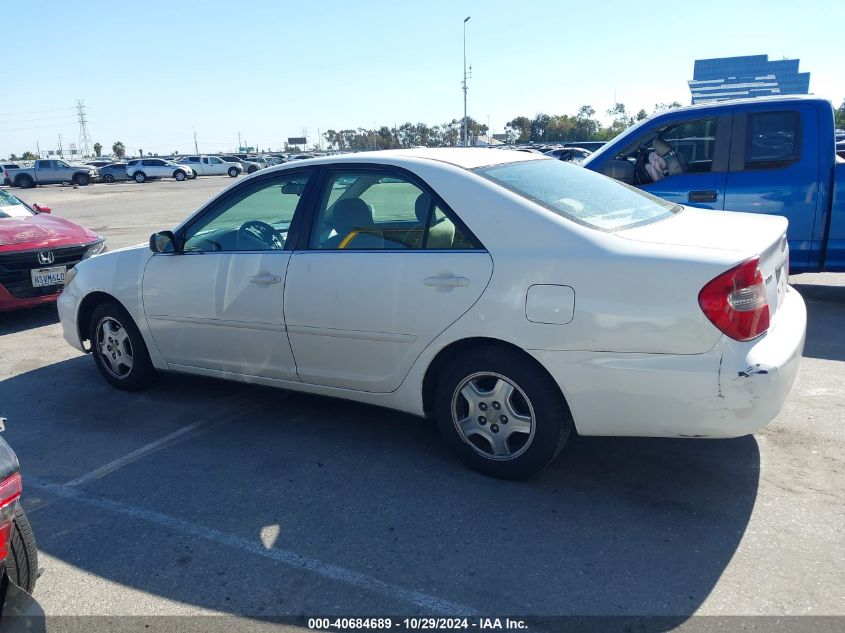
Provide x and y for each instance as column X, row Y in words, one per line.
column 255, row 235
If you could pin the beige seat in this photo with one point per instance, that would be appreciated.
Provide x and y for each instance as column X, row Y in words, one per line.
column 441, row 233
column 352, row 220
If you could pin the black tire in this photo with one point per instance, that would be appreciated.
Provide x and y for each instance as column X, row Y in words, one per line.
column 536, row 395
column 180, row 175
column 252, row 169
column 108, row 178
column 140, row 373
column 24, row 182
column 233, row 172
column 194, row 172
column 22, row 561
column 82, row 180
column 140, row 177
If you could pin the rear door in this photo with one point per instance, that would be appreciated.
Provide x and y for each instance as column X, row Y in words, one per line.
column 774, row 169
column 383, row 269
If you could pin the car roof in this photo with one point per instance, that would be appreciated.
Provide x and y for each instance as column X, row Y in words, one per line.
column 465, row 157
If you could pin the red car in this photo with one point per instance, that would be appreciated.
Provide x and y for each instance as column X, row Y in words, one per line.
column 36, row 250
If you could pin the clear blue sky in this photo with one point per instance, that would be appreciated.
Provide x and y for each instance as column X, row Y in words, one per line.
column 269, row 69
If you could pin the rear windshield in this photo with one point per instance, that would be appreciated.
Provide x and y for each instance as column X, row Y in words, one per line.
column 580, row 194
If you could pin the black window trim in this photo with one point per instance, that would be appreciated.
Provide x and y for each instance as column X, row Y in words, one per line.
column 242, row 191
column 323, row 175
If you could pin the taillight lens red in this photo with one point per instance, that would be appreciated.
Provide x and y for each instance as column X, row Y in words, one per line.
column 735, row 301
column 10, row 491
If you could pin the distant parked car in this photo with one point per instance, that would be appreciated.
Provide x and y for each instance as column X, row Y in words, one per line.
column 840, row 148
column 143, row 169
column 36, row 250
column 589, row 145
column 211, row 166
column 51, row 172
column 569, row 154
column 113, row 172
column 250, row 165
column 99, row 163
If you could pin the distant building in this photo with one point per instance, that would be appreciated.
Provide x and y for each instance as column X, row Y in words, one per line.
column 750, row 76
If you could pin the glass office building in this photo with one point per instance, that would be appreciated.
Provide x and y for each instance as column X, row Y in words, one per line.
column 741, row 77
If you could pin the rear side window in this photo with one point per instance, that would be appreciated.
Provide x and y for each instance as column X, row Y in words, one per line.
column 773, row 139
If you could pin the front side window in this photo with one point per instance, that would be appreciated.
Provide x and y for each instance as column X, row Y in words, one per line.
column 772, row 139
column 579, row 194
column 380, row 210
column 257, row 218
column 215, row 161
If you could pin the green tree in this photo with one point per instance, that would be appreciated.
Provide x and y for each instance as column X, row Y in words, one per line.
column 519, row 129
column 140, row 152
column 98, row 150
column 586, row 127
column 28, row 156
column 538, row 127
column 118, row 149
column 642, row 114
column 13, row 157
column 839, row 116
column 666, row 106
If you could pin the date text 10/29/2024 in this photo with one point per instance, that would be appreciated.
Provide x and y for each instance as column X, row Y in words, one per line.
column 416, row 623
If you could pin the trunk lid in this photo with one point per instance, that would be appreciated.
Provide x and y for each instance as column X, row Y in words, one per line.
column 746, row 234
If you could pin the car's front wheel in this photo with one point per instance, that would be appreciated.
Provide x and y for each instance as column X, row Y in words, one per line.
column 119, row 349
column 233, row 173
column 140, row 177
column 82, row 180
column 180, row 175
column 501, row 412
column 108, row 178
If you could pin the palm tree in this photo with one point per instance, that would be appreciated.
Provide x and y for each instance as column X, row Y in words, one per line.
column 119, row 149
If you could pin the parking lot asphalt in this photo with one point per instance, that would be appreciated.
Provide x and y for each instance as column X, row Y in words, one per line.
column 200, row 496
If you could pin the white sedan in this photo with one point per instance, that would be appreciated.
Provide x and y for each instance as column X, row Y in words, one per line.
column 512, row 297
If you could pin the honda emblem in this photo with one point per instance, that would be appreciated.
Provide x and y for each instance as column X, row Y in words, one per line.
column 46, row 257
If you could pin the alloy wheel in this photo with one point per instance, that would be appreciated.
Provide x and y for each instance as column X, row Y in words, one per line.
column 114, row 347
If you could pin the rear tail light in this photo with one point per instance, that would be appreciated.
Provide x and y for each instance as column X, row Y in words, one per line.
column 10, row 491
column 735, row 301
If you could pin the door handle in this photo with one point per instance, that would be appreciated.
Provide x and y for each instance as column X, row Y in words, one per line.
column 449, row 281
column 265, row 280
column 709, row 195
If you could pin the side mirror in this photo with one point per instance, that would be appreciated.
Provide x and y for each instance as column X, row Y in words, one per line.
column 621, row 170
column 163, row 242
column 41, row 208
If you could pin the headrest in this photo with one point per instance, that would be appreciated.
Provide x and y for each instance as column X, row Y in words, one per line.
column 422, row 206
column 662, row 147
column 350, row 214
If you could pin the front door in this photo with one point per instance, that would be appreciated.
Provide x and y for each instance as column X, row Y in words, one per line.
column 386, row 267
column 217, row 304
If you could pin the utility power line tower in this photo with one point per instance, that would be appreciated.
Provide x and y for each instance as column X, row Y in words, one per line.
column 84, row 136
column 464, row 85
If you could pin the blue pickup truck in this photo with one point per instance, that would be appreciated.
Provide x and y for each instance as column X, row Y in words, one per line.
column 766, row 155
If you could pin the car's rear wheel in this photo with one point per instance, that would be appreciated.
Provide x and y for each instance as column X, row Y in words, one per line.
column 252, row 169
column 22, row 561
column 180, row 175
column 119, row 349
column 108, row 178
column 140, row 177
column 501, row 413
column 233, row 173
column 24, row 182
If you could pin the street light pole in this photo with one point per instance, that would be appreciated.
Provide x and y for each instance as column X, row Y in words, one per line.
column 466, row 137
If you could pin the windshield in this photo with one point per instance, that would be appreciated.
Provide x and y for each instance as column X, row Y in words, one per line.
column 579, row 194
column 11, row 207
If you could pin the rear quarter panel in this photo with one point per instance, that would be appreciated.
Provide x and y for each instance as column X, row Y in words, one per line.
column 835, row 257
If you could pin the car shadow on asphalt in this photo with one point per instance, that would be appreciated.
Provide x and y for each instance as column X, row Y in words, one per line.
column 22, row 320
column 616, row 526
column 825, row 320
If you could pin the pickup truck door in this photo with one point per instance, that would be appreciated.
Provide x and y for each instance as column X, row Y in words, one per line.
column 45, row 171
column 703, row 144
column 774, row 169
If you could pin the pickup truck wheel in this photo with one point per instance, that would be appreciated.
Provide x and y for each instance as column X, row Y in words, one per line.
column 140, row 177
column 233, row 172
column 82, row 180
column 179, row 175
column 24, row 182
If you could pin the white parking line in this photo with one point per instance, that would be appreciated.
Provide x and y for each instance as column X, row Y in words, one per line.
column 158, row 444
column 431, row 604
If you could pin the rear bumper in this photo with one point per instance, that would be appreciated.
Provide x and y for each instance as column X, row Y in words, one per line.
column 729, row 391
